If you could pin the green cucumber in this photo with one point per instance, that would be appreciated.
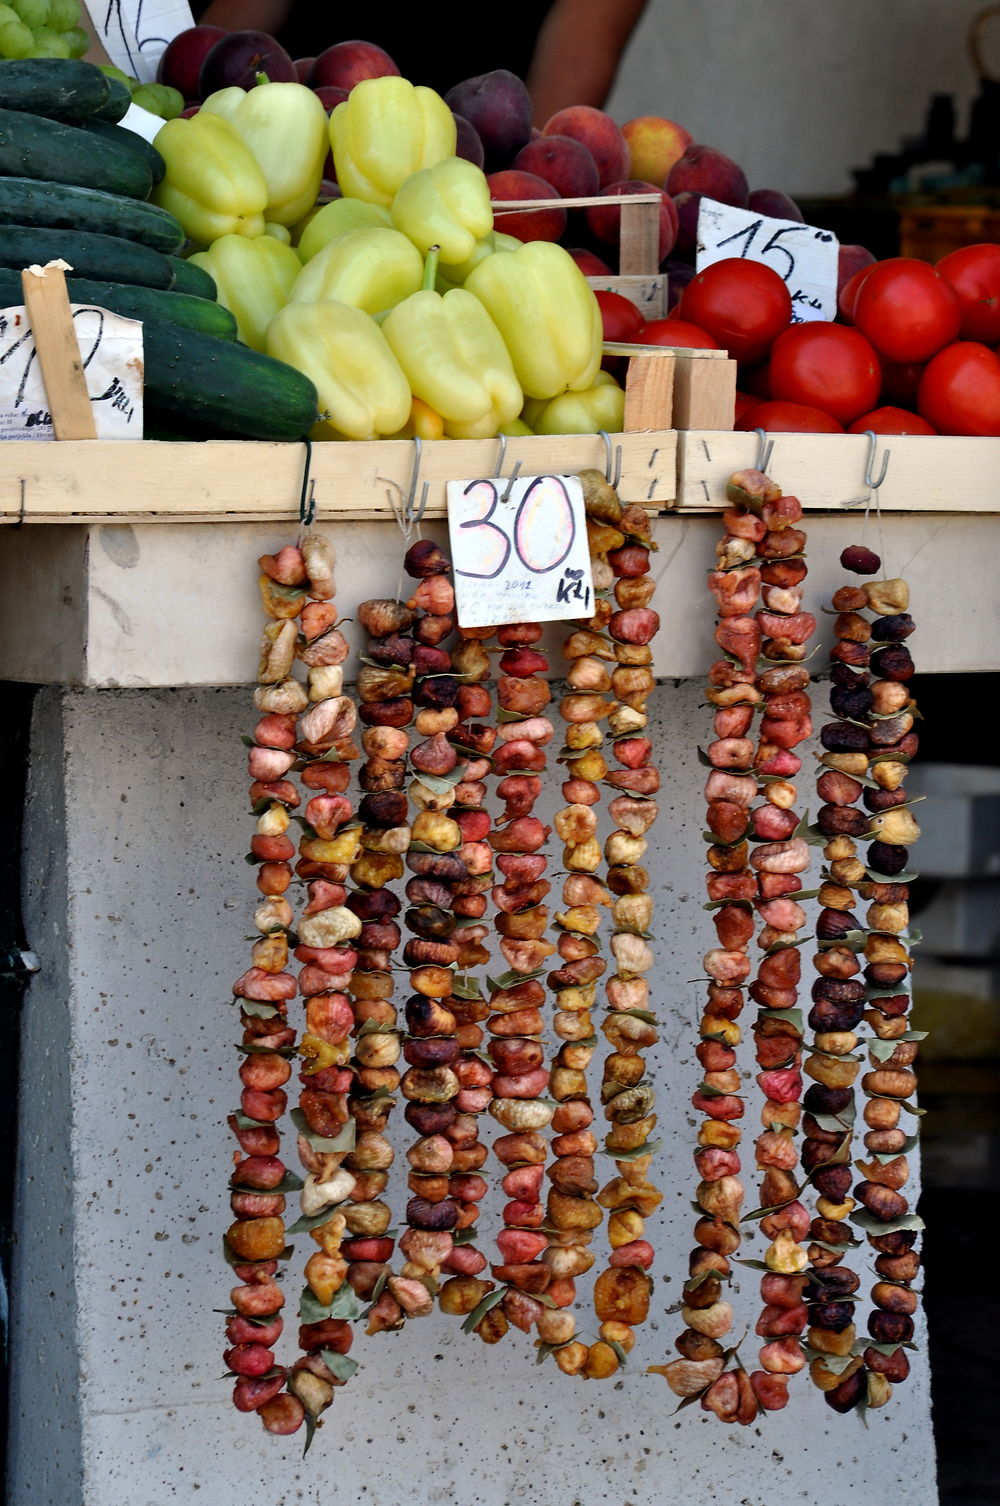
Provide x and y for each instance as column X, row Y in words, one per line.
column 33, row 147
column 190, row 278
column 135, row 303
column 228, row 387
column 105, row 257
column 119, row 99
column 60, row 206
column 60, row 88
column 119, row 135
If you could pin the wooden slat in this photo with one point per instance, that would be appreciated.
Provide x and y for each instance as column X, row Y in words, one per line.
column 54, row 337
column 827, row 471
column 649, row 392
column 647, row 293
column 244, row 481
column 704, row 394
column 639, row 237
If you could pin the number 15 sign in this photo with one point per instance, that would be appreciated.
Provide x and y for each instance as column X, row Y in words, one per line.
column 804, row 257
column 519, row 550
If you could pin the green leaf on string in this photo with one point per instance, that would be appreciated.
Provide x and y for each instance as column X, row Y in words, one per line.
column 345, row 1140
column 619, row 1351
column 443, row 784
column 646, row 1149
column 311, row 1310
column 258, row 1009
column 466, row 987
column 871, row 1225
column 341, row 1365
column 303, row 1224
column 794, row 1017
column 479, row 1312
column 345, row 1304
column 289, row 1183
column 310, row 1432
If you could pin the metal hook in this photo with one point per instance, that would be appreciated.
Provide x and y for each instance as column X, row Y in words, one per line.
column 500, row 455
column 764, row 448
column 415, row 514
column 307, row 496
column 612, row 481
column 873, row 485
column 510, row 481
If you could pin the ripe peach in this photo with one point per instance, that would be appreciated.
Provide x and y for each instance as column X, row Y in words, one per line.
column 562, row 161
column 601, row 135
column 706, row 170
column 654, row 144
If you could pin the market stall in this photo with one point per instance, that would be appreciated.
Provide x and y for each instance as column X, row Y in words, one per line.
column 483, row 1371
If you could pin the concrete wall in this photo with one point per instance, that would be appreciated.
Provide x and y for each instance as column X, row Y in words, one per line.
column 799, row 92
column 139, row 905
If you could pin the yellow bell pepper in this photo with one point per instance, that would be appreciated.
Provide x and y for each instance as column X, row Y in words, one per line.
column 337, row 218
column 362, row 390
column 284, row 126
column 455, row 275
column 455, row 360
column 212, row 182
column 370, row 269
column 588, row 412
column 448, row 206
column 385, row 130
column 254, row 279
column 278, row 232
column 547, row 313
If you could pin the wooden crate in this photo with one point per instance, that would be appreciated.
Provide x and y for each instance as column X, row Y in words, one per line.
column 932, row 232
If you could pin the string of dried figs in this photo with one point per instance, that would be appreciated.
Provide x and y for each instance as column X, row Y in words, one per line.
column 838, row 1001
column 473, row 739
column 515, row 1023
column 885, row 1217
column 386, row 710
column 296, row 585
column 444, row 1198
column 759, row 519
column 779, row 859
column 572, row 1213
column 622, row 1291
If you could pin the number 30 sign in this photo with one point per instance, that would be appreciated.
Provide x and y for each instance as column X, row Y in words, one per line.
column 519, row 551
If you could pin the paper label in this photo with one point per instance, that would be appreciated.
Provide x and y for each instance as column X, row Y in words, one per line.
column 134, row 33
column 111, row 348
column 519, row 550
column 142, row 123
column 804, row 257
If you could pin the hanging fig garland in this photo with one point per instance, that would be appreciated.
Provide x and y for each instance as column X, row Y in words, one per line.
column 425, row 807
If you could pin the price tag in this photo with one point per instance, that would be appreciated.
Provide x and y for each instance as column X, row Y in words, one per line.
column 134, row 33
column 804, row 257
column 111, row 350
column 143, row 122
column 519, row 550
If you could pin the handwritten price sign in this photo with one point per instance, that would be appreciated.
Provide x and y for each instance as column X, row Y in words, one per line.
column 519, row 551
column 134, row 33
column 111, row 350
column 803, row 257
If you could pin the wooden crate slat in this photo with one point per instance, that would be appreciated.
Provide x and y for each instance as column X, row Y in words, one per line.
column 827, row 471
column 243, row 480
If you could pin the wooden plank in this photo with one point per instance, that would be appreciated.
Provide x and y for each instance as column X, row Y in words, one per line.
column 649, row 392
column 704, row 394
column 244, row 481
column 647, row 293
column 639, row 236
column 827, row 471
column 47, row 303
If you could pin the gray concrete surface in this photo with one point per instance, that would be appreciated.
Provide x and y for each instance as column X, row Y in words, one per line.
column 139, row 905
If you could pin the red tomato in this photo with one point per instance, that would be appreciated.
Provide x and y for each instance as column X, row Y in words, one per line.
column 890, row 421
column 789, row 418
column 742, row 304
column 675, row 332
column 960, row 390
column 908, row 310
column 745, row 401
column 826, row 366
column 619, row 315
column 900, row 383
column 849, row 292
column 756, row 379
column 974, row 273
